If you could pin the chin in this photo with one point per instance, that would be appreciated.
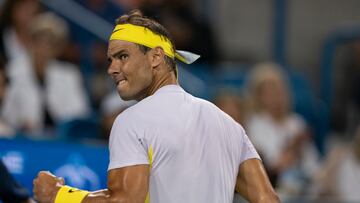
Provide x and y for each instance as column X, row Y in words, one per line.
column 125, row 97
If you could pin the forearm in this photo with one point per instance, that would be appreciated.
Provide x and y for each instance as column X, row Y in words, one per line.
column 97, row 196
column 253, row 184
column 100, row 196
column 270, row 197
column 105, row 196
column 258, row 196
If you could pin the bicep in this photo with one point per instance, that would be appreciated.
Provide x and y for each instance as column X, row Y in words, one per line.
column 131, row 181
column 128, row 184
column 253, row 184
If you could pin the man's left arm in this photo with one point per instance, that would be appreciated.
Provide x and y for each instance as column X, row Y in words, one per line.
column 253, row 184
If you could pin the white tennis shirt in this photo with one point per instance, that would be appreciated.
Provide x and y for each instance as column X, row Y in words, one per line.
column 194, row 149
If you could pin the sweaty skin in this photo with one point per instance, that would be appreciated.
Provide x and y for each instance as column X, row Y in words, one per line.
column 138, row 75
column 253, row 184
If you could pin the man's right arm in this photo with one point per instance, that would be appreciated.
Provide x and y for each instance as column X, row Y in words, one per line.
column 253, row 184
column 128, row 184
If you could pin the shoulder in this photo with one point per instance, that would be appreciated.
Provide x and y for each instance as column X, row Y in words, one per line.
column 133, row 116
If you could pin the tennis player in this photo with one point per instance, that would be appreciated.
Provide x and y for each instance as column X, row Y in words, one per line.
column 170, row 147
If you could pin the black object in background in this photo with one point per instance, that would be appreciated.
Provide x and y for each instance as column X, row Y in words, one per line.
column 10, row 190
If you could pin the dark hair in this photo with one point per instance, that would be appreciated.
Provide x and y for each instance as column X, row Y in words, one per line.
column 2, row 71
column 136, row 17
column 7, row 11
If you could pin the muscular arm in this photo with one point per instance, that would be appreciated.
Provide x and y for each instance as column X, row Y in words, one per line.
column 128, row 184
column 253, row 184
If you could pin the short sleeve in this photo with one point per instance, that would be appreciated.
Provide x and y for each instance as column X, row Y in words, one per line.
column 248, row 150
column 125, row 145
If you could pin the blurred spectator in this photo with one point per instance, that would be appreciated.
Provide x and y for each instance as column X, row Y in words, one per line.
column 43, row 90
column 110, row 108
column 339, row 178
column 346, row 99
column 89, row 52
column 10, row 190
column 232, row 104
column 5, row 129
column 100, row 83
column 15, row 20
column 189, row 31
column 280, row 135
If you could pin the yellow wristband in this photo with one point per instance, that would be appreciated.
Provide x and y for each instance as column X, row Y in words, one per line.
column 68, row 194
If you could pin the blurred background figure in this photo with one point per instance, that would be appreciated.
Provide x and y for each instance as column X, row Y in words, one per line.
column 10, row 190
column 339, row 178
column 110, row 108
column 15, row 21
column 100, row 85
column 44, row 90
column 316, row 44
column 190, row 32
column 232, row 104
column 5, row 129
column 88, row 50
column 346, row 108
column 280, row 135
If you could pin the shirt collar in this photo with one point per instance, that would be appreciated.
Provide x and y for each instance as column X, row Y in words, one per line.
column 170, row 88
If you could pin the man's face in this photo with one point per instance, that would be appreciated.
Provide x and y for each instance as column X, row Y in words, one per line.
column 130, row 69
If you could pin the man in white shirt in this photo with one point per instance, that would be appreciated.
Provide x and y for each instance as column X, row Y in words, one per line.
column 170, row 146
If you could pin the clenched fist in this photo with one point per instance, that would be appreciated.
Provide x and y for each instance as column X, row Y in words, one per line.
column 46, row 186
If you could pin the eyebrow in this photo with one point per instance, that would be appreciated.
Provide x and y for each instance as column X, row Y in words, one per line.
column 116, row 54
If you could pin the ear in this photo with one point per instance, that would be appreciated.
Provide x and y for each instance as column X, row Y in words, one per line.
column 156, row 56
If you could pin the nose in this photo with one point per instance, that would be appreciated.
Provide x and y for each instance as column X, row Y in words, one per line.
column 113, row 68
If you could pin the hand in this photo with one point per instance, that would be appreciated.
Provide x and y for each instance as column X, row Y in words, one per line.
column 46, row 186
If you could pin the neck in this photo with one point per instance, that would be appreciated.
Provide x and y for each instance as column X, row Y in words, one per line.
column 165, row 79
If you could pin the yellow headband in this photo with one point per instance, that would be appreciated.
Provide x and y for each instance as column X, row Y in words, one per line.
column 144, row 36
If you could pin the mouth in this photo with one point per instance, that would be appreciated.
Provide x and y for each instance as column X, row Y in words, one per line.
column 120, row 81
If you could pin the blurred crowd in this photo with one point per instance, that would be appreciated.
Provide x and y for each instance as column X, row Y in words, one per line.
column 53, row 78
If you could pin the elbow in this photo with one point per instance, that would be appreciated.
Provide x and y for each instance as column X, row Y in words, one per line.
column 270, row 197
column 118, row 199
column 124, row 199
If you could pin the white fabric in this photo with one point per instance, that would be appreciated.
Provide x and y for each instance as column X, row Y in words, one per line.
column 348, row 179
column 270, row 138
column 197, row 148
column 188, row 56
column 13, row 48
column 64, row 94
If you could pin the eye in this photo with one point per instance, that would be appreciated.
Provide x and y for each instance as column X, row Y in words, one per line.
column 123, row 56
